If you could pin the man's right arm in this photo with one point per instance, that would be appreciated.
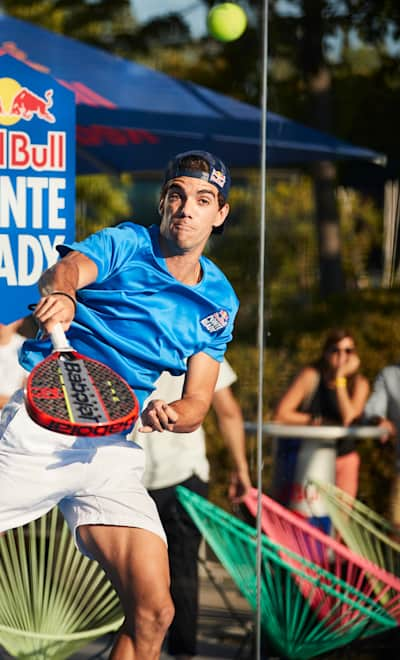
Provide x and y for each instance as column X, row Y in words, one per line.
column 187, row 413
column 71, row 273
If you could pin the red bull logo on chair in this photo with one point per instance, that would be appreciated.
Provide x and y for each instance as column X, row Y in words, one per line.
column 37, row 180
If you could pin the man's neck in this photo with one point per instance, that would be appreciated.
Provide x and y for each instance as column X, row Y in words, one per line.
column 183, row 265
column 185, row 268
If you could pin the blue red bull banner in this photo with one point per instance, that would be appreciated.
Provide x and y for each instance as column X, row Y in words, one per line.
column 37, row 180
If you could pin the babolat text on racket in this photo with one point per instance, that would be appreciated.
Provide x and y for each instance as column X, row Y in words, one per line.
column 73, row 394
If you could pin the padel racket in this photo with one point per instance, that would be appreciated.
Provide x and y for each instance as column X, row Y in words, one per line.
column 73, row 394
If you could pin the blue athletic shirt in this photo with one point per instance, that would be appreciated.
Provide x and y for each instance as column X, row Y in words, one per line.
column 136, row 317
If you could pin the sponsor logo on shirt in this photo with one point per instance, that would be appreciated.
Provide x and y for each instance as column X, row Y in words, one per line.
column 215, row 321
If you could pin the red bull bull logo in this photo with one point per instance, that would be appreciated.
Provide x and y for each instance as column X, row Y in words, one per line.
column 27, row 104
column 217, row 177
column 17, row 102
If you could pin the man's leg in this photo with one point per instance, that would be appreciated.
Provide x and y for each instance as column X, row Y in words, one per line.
column 136, row 563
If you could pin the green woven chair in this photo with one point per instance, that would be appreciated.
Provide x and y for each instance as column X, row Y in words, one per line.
column 363, row 530
column 291, row 621
column 53, row 600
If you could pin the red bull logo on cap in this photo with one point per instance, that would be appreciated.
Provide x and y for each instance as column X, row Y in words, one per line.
column 18, row 102
column 218, row 177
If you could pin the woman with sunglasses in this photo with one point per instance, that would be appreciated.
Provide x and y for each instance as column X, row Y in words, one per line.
column 330, row 391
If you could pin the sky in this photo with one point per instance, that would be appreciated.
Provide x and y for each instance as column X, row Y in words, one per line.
column 193, row 12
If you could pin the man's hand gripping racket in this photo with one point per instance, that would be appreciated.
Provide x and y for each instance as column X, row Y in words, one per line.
column 73, row 394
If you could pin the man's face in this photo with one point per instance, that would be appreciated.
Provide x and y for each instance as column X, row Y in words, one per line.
column 189, row 212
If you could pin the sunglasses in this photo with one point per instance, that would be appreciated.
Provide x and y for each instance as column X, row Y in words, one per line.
column 336, row 349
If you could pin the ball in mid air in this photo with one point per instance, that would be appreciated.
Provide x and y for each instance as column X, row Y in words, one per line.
column 226, row 21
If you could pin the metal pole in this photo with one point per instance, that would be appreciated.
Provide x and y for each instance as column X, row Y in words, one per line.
column 263, row 181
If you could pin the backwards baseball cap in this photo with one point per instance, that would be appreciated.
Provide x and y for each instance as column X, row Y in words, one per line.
column 218, row 173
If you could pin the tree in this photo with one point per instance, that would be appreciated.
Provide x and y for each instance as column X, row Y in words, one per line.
column 104, row 23
column 310, row 79
column 318, row 78
column 233, row 63
column 317, row 74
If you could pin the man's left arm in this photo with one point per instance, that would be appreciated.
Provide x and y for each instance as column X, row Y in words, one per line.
column 186, row 414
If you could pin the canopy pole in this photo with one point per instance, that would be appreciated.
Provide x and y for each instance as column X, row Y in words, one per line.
column 263, row 185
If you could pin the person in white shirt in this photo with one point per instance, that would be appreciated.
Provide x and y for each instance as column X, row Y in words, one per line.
column 12, row 375
column 383, row 409
column 180, row 459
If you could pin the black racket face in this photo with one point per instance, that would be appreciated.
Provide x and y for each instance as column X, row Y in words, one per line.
column 72, row 394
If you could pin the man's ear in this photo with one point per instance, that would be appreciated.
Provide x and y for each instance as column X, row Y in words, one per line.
column 161, row 207
column 222, row 215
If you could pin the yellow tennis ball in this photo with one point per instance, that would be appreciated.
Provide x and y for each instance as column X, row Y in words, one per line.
column 227, row 21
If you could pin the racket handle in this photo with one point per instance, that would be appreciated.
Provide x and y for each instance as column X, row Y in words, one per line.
column 58, row 338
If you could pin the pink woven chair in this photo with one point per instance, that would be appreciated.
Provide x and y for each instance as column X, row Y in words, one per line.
column 295, row 533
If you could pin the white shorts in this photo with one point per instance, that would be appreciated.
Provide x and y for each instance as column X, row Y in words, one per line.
column 94, row 481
